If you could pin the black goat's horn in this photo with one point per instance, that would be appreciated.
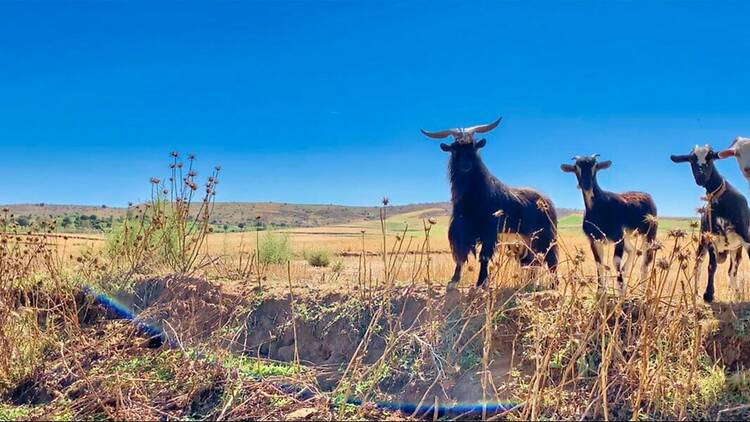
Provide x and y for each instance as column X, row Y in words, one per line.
column 441, row 134
column 483, row 128
column 462, row 134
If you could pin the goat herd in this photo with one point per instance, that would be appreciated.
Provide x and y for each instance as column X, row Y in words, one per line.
column 484, row 206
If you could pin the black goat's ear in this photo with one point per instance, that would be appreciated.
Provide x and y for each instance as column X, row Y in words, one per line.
column 680, row 158
column 481, row 143
column 567, row 168
column 446, row 147
column 603, row 165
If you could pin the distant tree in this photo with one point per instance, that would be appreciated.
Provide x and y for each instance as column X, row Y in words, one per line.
column 241, row 225
column 23, row 221
column 66, row 221
column 85, row 223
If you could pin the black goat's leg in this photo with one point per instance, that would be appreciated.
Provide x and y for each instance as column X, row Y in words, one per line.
column 734, row 266
column 700, row 254
column 648, row 258
column 461, row 245
column 708, row 296
column 483, row 270
column 597, row 249
column 619, row 251
column 456, row 276
column 488, row 249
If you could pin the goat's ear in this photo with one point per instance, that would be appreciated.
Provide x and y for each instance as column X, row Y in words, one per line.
column 727, row 153
column 481, row 143
column 603, row 165
column 680, row 158
column 567, row 168
column 446, row 147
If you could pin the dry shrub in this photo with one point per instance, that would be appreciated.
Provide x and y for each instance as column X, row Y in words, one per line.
column 36, row 298
column 168, row 231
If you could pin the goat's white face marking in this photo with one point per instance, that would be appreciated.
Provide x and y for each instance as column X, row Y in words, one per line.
column 741, row 149
column 701, row 153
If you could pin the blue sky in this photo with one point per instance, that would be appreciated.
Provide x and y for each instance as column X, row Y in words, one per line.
column 321, row 102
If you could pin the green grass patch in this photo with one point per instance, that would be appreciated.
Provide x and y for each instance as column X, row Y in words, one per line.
column 157, row 367
column 257, row 368
column 14, row 413
column 572, row 224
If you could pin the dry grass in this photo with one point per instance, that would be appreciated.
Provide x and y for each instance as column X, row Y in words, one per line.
column 379, row 326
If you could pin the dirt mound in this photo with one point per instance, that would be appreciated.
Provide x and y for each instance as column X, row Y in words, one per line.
column 730, row 341
column 188, row 310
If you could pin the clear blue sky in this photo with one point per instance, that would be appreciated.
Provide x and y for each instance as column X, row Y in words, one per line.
column 321, row 102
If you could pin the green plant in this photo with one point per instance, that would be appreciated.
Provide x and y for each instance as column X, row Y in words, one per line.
column 318, row 257
column 258, row 368
column 274, row 249
column 13, row 413
column 337, row 267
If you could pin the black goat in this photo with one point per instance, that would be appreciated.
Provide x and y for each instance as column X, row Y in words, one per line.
column 725, row 220
column 484, row 206
column 614, row 217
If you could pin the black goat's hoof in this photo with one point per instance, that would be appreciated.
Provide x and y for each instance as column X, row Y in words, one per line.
column 708, row 297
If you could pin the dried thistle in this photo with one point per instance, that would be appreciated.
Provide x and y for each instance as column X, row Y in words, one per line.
column 542, row 205
column 655, row 246
column 677, row 233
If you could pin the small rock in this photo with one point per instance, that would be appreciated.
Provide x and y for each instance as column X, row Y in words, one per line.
column 301, row 414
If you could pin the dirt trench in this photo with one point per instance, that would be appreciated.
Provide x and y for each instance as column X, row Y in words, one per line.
column 325, row 332
column 440, row 333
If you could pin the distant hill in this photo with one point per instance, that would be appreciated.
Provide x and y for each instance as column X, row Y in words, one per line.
column 238, row 215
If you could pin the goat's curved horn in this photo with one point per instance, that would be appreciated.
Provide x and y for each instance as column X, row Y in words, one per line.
column 575, row 157
column 441, row 134
column 595, row 156
column 483, row 128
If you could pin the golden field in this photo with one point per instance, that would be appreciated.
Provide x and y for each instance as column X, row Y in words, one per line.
column 405, row 234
